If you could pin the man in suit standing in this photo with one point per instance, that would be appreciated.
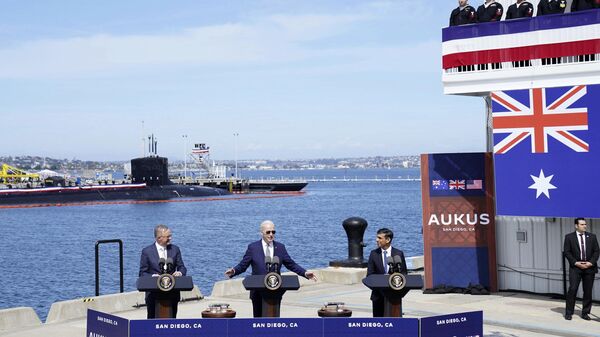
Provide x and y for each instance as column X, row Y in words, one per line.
column 255, row 257
column 378, row 265
column 149, row 264
column 582, row 252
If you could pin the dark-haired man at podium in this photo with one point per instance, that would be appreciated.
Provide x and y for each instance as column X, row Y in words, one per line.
column 161, row 248
column 255, row 257
column 378, row 265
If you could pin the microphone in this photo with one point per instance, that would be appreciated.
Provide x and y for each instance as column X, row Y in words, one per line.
column 390, row 262
column 276, row 263
column 268, row 263
column 398, row 263
column 170, row 267
column 161, row 265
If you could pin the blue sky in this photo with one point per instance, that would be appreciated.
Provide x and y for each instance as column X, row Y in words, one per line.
column 295, row 79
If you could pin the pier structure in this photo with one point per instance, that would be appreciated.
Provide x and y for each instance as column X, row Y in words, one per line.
column 505, row 313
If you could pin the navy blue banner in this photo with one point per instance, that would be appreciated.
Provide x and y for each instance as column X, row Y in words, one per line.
column 521, row 25
column 276, row 327
column 464, row 324
column 547, row 150
column 371, row 327
column 179, row 327
column 106, row 325
column 457, row 174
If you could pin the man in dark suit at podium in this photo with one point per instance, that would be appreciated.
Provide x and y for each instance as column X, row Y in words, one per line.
column 255, row 257
column 582, row 252
column 378, row 265
column 161, row 248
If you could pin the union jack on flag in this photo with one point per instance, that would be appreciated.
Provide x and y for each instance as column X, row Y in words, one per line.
column 457, row 184
column 540, row 119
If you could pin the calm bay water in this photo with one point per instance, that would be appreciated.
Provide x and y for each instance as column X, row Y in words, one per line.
column 48, row 253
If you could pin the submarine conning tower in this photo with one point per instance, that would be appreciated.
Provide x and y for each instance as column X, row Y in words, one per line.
column 153, row 171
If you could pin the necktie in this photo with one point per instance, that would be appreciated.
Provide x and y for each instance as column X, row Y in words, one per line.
column 385, row 265
column 582, row 248
column 268, row 251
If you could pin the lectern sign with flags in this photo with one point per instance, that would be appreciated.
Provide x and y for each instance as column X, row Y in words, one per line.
column 547, row 151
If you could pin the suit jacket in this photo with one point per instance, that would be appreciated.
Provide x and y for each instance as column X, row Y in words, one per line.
column 525, row 10
column 255, row 257
column 572, row 249
column 149, row 260
column 375, row 266
column 582, row 5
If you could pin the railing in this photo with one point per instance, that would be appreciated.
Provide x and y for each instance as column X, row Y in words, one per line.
column 98, row 243
column 535, row 63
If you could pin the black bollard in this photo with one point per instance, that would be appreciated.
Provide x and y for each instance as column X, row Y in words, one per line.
column 355, row 229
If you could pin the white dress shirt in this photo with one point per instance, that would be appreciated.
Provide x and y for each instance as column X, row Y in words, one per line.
column 271, row 248
column 162, row 251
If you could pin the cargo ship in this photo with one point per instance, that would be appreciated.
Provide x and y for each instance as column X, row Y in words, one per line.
column 216, row 177
column 252, row 186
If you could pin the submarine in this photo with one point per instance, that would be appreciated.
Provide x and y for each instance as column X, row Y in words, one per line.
column 149, row 181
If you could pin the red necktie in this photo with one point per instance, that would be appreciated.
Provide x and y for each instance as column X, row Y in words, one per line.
column 582, row 247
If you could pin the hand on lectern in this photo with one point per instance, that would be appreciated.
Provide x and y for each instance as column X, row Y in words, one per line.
column 230, row 272
column 177, row 273
column 311, row 276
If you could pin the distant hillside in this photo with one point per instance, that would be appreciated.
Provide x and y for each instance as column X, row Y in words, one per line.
column 36, row 163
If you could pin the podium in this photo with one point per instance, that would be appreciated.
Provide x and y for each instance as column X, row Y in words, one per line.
column 271, row 287
column 393, row 288
column 164, row 288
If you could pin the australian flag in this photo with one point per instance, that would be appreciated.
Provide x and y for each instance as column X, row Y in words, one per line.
column 547, row 150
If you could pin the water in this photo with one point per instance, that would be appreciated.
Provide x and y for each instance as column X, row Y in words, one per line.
column 48, row 253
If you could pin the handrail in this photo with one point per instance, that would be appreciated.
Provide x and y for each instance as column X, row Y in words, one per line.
column 120, row 242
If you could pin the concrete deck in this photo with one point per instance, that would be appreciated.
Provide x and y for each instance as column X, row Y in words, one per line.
column 505, row 314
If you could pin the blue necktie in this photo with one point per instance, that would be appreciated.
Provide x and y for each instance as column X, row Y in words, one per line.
column 385, row 265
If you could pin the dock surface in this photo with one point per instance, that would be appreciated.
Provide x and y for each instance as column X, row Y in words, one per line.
column 505, row 313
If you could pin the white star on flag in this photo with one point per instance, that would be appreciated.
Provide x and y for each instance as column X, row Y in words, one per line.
column 542, row 184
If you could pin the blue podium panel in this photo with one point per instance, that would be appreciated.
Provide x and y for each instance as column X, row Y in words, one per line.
column 460, row 266
column 213, row 327
column 375, row 327
column 101, row 324
column 464, row 324
column 276, row 327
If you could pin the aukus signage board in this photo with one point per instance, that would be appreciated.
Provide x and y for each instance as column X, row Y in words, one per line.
column 458, row 219
column 464, row 324
column 179, row 328
column 100, row 324
column 280, row 327
column 547, row 151
column 459, row 324
column 276, row 327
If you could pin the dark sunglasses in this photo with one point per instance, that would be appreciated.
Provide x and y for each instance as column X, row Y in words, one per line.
column 269, row 232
